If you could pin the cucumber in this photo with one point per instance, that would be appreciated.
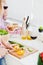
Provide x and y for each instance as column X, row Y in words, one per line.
column 20, row 45
column 30, row 50
column 13, row 42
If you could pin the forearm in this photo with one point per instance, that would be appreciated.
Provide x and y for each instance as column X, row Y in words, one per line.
column 7, row 45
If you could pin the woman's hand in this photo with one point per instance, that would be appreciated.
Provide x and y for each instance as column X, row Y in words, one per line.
column 6, row 44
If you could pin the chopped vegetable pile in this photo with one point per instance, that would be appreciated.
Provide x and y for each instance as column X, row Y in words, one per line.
column 3, row 32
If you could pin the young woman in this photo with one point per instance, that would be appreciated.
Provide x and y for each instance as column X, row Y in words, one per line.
column 2, row 24
column 3, row 44
column 3, row 14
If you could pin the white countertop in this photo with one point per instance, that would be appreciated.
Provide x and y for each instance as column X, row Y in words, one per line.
column 29, row 60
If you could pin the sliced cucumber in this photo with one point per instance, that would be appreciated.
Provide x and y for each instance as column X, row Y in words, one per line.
column 12, row 42
column 30, row 49
column 20, row 45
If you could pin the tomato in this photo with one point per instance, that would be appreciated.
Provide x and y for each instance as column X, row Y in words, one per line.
column 41, row 55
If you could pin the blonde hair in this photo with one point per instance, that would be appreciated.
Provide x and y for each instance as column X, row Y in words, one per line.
column 0, row 6
column 1, row 1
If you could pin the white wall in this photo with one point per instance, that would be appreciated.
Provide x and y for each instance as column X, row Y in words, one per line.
column 38, row 12
column 20, row 8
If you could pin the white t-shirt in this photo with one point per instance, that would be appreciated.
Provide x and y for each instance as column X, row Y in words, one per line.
column 2, row 24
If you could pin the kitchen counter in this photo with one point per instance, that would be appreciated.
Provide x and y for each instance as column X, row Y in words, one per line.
column 30, row 59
